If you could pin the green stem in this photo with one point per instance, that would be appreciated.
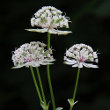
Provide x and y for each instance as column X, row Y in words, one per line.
column 36, row 85
column 71, row 107
column 50, row 87
column 76, row 86
column 41, row 86
column 48, row 39
column 48, row 76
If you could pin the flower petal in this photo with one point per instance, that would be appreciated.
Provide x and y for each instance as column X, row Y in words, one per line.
column 38, row 30
column 80, row 65
column 75, row 65
column 70, row 62
column 18, row 66
column 90, row 65
column 33, row 64
column 48, row 60
column 53, row 31
column 47, row 63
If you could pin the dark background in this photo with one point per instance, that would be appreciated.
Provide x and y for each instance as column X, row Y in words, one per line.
column 90, row 25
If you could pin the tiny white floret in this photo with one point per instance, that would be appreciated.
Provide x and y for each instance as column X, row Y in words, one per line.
column 32, row 54
column 80, row 55
column 50, row 19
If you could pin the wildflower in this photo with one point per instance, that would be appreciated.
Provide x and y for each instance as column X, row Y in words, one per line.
column 50, row 19
column 32, row 54
column 80, row 55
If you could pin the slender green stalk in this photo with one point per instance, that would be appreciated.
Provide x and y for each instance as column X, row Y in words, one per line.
column 48, row 76
column 50, row 87
column 48, row 39
column 41, row 86
column 36, row 85
column 71, row 107
column 76, row 85
column 75, row 90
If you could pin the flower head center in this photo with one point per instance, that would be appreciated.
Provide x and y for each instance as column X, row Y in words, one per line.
column 28, row 59
column 49, row 27
column 82, row 59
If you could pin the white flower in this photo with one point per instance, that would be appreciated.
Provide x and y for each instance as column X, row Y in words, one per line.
column 50, row 19
column 32, row 54
column 80, row 55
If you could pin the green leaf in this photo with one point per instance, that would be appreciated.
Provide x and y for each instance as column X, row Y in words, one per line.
column 71, row 102
column 44, row 106
column 59, row 108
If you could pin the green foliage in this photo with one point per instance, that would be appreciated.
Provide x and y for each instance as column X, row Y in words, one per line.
column 71, row 102
column 44, row 106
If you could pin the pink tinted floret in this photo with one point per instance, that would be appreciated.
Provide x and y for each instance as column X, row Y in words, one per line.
column 28, row 59
column 81, row 59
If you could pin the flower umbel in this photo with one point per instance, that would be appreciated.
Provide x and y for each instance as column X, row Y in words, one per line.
column 32, row 54
column 80, row 55
column 50, row 19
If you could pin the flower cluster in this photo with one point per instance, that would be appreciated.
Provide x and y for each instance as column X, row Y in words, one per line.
column 49, row 18
column 80, row 55
column 32, row 54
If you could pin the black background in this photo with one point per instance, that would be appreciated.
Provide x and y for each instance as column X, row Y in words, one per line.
column 90, row 25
